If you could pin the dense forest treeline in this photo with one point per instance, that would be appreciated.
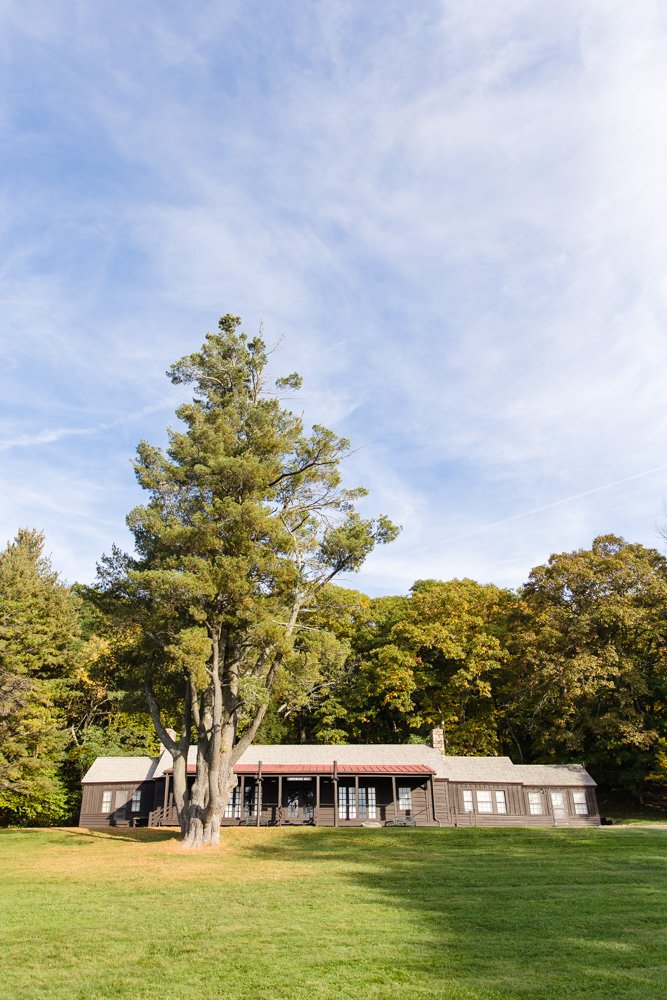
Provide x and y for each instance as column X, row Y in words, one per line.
column 570, row 667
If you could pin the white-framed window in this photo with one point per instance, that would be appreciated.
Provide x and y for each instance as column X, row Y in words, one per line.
column 404, row 798
column 106, row 801
column 580, row 803
column 484, row 802
column 535, row 803
column 468, row 806
column 347, row 802
column 367, row 802
column 558, row 805
column 501, row 801
column 233, row 807
column 136, row 800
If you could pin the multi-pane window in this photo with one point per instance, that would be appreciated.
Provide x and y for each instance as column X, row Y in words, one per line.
column 467, row 801
column 580, row 803
column 347, row 802
column 558, row 805
column 136, row 801
column 233, row 807
column 106, row 801
column 367, row 803
column 484, row 804
column 404, row 798
column 535, row 803
column 501, row 803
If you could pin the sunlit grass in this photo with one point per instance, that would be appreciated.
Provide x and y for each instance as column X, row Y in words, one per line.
column 313, row 913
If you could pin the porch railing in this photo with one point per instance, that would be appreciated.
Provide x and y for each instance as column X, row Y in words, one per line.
column 163, row 817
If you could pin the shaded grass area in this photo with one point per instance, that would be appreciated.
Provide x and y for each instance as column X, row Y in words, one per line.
column 313, row 913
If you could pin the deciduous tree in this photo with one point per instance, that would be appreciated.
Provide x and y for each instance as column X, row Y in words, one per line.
column 591, row 661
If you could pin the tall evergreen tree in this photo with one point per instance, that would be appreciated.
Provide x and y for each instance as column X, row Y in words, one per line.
column 39, row 640
column 246, row 522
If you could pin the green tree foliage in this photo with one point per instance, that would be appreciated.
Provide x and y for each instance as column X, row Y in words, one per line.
column 102, row 717
column 573, row 667
column 590, row 662
column 245, row 524
column 40, row 638
column 307, row 707
column 431, row 658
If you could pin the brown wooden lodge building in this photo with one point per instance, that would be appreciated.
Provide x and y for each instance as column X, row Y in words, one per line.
column 352, row 785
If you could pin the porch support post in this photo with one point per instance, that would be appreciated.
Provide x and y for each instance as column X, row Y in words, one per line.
column 335, row 791
column 165, row 811
column 259, row 793
column 356, row 796
column 317, row 799
column 279, row 815
column 394, row 796
column 242, row 810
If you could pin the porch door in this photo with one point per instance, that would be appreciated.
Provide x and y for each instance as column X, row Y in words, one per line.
column 300, row 800
column 121, row 799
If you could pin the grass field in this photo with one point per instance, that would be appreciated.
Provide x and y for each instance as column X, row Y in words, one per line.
column 313, row 913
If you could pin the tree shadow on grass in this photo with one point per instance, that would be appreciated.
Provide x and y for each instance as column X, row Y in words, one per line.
column 152, row 835
column 507, row 913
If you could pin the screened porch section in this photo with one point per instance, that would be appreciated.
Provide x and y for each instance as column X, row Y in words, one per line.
column 331, row 796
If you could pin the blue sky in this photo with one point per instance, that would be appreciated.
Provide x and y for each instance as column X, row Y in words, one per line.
column 452, row 213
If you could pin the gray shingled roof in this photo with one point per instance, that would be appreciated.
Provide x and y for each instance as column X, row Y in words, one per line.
column 115, row 769
column 351, row 753
column 553, row 774
column 478, row 770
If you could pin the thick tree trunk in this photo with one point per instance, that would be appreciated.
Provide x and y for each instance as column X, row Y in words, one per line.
column 227, row 780
column 193, row 833
column 178, row 748
column 180, row 787
column 218, row 750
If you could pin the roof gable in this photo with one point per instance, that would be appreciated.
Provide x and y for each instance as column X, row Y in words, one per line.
column 112, row 770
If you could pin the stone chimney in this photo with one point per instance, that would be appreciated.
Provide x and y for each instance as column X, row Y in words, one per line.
column 438, row 739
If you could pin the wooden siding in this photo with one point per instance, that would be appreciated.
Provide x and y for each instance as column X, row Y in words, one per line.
column 518, row 807
column 443, row 809
column 121, row 812
column 440, row 805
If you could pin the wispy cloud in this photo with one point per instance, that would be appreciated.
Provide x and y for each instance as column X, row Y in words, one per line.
column 54, row 434
column 455, row 216
column 554, row 503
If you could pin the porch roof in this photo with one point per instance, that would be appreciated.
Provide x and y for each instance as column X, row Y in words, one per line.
column 351, row 758
column 327, row 769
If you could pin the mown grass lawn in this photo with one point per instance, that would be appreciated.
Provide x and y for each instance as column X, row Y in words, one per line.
column 312, row 913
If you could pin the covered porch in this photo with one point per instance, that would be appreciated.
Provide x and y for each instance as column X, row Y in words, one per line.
column 322, row 795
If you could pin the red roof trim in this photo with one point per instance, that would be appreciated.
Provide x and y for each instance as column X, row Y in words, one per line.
column 268, row 769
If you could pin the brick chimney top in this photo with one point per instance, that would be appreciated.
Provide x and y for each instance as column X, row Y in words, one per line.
column 438, row 739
